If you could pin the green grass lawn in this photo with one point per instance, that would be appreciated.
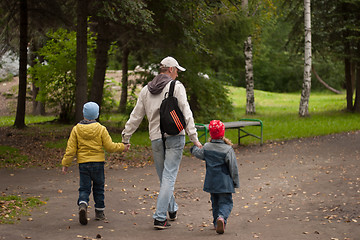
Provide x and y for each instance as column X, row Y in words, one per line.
column 279, row 114
column 6, row 121
column 11, row 156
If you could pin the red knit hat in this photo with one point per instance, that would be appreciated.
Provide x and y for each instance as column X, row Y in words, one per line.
column 216, row 129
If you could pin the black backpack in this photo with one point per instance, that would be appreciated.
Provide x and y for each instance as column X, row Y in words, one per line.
column 172, row 120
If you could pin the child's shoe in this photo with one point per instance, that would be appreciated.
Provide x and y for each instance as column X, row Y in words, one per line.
column 220, row 225
column 83, row 214
column 99, row 215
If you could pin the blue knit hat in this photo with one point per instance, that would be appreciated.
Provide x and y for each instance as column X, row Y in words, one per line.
column 91, row 110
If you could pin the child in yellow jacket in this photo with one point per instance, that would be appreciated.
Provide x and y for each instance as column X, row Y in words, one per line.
column 87, row 141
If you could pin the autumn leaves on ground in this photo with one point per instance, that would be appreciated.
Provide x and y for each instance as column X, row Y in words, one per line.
column 299, row 189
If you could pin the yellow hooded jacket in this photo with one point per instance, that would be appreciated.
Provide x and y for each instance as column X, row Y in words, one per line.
column 88, row 142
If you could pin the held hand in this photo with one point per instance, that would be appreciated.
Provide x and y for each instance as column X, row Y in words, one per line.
column 198, row 144
column 127, row 147
column 64, row 169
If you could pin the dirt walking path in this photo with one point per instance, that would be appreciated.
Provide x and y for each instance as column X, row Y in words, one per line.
column 300, row 190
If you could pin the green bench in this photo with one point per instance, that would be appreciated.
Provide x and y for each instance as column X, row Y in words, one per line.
column 203, row 129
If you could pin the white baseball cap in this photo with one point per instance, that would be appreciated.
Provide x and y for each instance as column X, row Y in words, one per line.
column 171, row 62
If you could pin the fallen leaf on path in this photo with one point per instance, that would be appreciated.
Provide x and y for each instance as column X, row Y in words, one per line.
column 204, row 224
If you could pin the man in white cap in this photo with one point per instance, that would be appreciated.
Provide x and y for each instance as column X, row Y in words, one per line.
column 167, row 155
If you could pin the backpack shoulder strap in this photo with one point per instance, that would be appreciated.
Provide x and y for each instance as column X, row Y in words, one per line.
column 172, row 87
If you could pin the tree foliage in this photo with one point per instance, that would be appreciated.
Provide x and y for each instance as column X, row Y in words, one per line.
column 122, row 22
column 55, row 76
column 335, row 33
column 205, row 37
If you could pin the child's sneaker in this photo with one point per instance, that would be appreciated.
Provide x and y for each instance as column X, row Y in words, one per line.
column 172, row 216
column 220, row 225
column 83, row 214
column 161, row 224
column 99, row 215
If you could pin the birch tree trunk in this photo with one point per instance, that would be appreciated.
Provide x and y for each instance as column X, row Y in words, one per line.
column 249, row 76
column 305, row 94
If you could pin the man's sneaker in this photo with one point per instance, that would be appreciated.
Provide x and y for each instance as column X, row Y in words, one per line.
column 161, row 224
column 99, row 215
column 172, row 216
column 83, row 214
column 220, row 225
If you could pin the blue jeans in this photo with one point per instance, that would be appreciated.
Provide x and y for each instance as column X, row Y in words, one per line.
column 222, row 205
column 92, row 173
column 167, row 161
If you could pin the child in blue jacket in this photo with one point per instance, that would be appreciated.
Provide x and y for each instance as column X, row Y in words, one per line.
column 221, row 173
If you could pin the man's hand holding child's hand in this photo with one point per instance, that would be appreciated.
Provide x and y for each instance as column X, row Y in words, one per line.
column 127, row 147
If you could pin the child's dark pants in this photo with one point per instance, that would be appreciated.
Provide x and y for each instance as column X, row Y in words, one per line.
column 222, row 205
column 92, row 173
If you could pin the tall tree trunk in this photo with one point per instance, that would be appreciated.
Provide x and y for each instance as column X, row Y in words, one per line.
column 357, row 96
column 249, row 68
column 348, row 82
column 124, row 80
column 357, row 78
column 21, row 103
column 102, row 47
column 305, row 94
column 81, row 59
column 347, row 61
column 249, row 76
column 38, row 107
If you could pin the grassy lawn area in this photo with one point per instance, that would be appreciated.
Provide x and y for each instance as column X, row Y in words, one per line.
column 279, row 114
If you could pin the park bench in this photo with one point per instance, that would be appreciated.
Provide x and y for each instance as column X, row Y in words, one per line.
column 203, row 129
